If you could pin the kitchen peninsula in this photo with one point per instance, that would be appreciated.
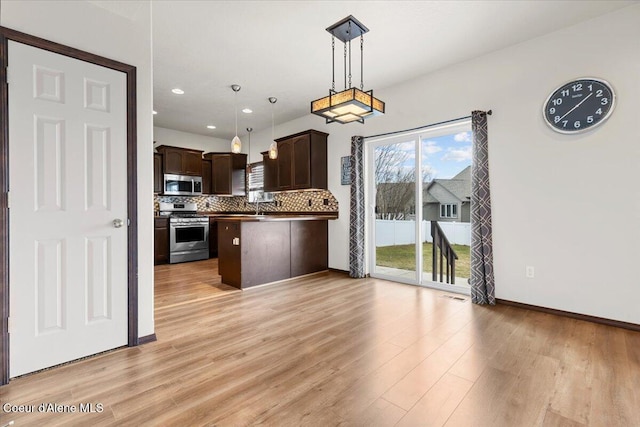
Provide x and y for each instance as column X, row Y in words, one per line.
column 259, row 249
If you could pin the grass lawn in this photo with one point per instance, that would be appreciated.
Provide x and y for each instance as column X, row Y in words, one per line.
column 403, row 257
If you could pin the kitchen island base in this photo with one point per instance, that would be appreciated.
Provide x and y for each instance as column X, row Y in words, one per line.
column 254, row 251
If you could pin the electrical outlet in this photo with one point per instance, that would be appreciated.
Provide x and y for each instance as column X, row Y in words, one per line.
column 529, row 272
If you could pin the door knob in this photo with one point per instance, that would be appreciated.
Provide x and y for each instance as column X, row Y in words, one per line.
column 117, row 223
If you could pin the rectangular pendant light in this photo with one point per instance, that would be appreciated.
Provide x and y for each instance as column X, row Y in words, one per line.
column 352, row 104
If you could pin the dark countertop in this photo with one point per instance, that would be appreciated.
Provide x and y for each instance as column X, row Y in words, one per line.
column 273, row 217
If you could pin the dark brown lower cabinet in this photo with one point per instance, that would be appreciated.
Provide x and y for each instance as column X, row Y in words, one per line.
column 160, row 241
column 253, row 253
column 213, row 238
column 309, row 247
column 229, row 252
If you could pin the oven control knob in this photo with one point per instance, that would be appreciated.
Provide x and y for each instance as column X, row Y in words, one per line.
column 117, row 223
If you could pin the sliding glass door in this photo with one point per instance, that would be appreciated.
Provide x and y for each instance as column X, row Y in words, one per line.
column 393, row 183
column 420, row 195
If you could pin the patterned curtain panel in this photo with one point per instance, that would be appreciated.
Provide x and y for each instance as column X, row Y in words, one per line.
column 356, row 220
column 482, row 280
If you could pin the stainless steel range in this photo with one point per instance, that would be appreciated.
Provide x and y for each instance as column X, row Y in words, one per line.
column 188, row 232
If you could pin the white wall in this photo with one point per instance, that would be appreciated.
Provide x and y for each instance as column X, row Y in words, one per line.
column 176, row 138
column 88, row 27
column 549, row 191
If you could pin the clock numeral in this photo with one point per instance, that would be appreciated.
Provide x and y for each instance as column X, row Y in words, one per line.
column 577, row 87
column 598, row 93
column 552, row 110
column 589, row 119
column 556, row 119
column 557, row 101
column 590, row 88
column 565, row 92
column 599, row 111
column 564, row 123
column 576, row 124
column 604, row 101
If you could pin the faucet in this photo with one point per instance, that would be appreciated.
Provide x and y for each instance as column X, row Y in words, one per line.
column 257, row 200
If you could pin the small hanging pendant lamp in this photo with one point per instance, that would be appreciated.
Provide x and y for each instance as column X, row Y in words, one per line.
column 273, row 148
column 236, row 144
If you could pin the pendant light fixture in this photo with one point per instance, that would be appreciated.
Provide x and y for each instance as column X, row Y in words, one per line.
column 249, row 130
column 236, row 144
column 352, row 104
column 273, row 148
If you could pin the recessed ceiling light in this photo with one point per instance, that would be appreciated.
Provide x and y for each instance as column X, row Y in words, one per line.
column 177, row 91
column 211, row 127
column 247, row 110
column 155, row 112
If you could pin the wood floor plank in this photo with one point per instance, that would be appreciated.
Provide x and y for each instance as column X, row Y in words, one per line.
column 328, row 350
column 552, row 419
column 572, row 395
column 406, row 392
column 484, row 404
column 380, row 413
column 437, row 405
column 470, row 365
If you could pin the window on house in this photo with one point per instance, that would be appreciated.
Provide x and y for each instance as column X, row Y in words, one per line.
column 449, row 210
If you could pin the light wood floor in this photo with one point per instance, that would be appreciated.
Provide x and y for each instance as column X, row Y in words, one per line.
column 179, row 284
column 328, row 350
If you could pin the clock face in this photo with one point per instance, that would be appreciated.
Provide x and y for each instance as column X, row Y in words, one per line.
column 579, row 105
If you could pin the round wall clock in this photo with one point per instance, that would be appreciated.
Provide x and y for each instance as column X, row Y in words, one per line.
column 579, row 105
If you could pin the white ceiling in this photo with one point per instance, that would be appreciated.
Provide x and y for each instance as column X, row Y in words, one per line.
column 281, row 49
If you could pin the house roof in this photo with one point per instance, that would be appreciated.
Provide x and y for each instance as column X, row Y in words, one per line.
column 459, row 186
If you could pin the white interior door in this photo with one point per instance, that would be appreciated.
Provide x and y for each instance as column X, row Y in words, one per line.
column 68, row 168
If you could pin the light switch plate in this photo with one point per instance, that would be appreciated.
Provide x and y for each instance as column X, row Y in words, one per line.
column 236, row 241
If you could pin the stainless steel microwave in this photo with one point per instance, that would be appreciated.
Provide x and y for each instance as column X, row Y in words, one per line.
column 182, row 185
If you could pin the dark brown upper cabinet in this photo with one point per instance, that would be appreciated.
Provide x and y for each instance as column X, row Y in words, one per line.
column 157, row 173
column 285, row 164
column 206, row 177
column 228, row 173
column 270, row 172
column 301, row 162
column 181, row 161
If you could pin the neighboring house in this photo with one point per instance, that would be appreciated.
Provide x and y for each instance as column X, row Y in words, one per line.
column 448, row 199
column 444, row 200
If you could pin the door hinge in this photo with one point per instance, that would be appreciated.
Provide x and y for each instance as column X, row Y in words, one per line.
column 8, row 74
column 8, row 199
column 128, row 222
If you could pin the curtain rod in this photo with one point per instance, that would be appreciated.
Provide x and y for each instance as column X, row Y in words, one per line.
column 423, row 127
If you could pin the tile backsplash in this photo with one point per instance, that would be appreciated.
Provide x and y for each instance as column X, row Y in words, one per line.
column 294, row 201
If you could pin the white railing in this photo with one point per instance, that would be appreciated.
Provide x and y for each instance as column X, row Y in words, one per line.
column 397, row 232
